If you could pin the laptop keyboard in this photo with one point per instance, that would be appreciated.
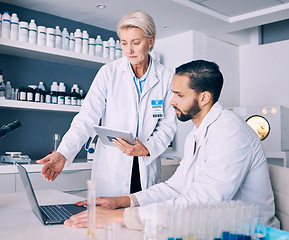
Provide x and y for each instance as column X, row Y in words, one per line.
column 56, row 212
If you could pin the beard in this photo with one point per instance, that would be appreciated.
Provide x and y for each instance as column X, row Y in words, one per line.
column 190, row 113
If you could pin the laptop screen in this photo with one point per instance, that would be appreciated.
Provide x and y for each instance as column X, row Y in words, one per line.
column 29, row 191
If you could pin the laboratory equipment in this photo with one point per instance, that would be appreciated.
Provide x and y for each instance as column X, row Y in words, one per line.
column 15, row 157
column 56, row 141
column 9, row 127
column 272, row 126
column 90, row 210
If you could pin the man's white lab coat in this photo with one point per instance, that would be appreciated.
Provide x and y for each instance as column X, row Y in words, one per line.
column 113, row 98
column 229, row 164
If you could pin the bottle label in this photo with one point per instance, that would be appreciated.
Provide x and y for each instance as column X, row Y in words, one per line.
column 22, row 96
column 54, row 99
column 67, row 100
column 37, row 97
column 48, row 98
column 74, row 101
column 30, row 96
column 61, row 100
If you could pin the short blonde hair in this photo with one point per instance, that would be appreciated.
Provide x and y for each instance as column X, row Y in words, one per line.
column 138, row 19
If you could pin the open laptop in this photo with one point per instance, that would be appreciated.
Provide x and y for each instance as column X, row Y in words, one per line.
column 49, row 214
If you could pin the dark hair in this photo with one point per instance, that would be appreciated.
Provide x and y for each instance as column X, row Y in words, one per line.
column 204, row 76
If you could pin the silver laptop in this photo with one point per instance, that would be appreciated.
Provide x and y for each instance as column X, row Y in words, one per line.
column 49, row 214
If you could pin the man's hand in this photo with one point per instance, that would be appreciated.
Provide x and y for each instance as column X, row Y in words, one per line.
column 109, row 202
column 53, row 165
column 103, row 216
column 138, row 149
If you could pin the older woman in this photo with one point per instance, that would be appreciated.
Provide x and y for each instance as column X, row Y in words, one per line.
column 131, row 94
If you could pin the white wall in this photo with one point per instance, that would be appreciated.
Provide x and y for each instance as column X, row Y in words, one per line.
column 264, row 74
column 189, row 46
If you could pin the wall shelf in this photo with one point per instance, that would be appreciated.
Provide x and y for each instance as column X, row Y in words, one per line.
column 13, row 104
column 29, row 50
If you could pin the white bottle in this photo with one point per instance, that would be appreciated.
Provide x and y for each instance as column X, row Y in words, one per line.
column 41, row 36
column 98, row 46
column 61, row 93
column 58, row 38
column 71, row 42
column 41, row 86
column 6, row 25
column 75, row 86
column 106, row 49
column 14, row 31
column 2, row 86
column 117, row 50
column 111, row 48
column 0, row 24
column 8, row 91
column 50, row 37
column 54, row 87
column 85, row 37
column 23, row 31
column 78, row 41
column 91, row 46
column 65, row 39
column 32, row 32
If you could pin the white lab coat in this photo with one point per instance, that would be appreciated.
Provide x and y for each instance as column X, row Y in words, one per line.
column 113, row 98
column 229, row 164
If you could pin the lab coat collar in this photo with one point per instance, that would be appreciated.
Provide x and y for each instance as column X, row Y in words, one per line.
column 153, row 76
column 212, row 116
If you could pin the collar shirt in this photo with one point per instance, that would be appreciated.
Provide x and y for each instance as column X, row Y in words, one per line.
column 139, row 83
column 228, row 163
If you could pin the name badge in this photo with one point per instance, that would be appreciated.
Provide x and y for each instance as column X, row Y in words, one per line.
column 157, row 108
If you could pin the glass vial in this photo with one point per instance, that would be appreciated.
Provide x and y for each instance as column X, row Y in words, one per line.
column 90, row 210
column 56, row 141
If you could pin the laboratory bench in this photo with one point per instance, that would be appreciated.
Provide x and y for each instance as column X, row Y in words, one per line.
column 18, row 222
column 73, row 178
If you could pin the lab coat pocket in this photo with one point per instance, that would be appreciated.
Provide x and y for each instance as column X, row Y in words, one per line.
column 106, row 163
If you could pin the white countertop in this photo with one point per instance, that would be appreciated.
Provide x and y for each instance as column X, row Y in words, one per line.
column 18, row 222
column 6, row 168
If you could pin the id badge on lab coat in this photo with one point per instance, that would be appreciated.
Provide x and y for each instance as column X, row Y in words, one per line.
column 157, row 108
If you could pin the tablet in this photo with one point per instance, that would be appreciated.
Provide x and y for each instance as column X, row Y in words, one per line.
column 107, row 135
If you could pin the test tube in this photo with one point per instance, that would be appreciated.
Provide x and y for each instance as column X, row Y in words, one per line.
column 56, row 141
column 90, row 210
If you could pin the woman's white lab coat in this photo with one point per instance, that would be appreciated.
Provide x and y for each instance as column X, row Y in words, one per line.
column 113, row 98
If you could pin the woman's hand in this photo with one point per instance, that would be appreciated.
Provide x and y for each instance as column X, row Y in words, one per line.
column 138, row 149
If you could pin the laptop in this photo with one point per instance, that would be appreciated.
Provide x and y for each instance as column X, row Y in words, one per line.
column 49, row 214
column 108, row 134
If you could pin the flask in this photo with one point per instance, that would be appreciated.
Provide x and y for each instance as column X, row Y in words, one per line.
column 23, row 31
column 78, row 41
column 71, row 42
column 14, row 31
column 117, row 50
column 8, row 90
column 65, row 39
column 58, row 38
column 111, row 48
column 2, row 86
column 32, row 32
column 85, row 37
column 98, row 46
column 61, row 93
column 91, row 46
column 50, row 37
column 6, row 22
column 105, row 53
column 41, row 86
column 41, row 36
column 56, row 141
